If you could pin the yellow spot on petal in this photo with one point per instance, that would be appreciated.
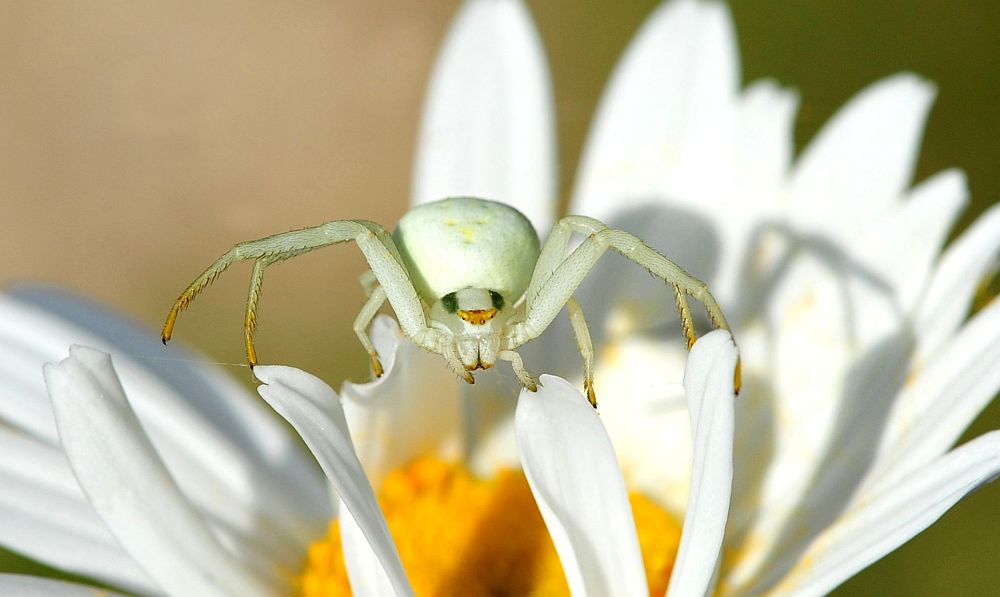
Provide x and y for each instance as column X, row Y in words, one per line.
column 461, row 535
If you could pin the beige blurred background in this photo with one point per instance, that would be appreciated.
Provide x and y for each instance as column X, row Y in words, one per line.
column 139, row 140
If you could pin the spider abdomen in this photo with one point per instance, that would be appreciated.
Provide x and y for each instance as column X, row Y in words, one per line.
column 465, row 242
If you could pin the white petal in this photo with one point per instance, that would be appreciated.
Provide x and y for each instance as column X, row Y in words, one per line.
column 708, row 383
column 669, row 102
column 863, row 158
column 574, row 476
column 231, row 458
column 764, row 130
column 678, row 157
column 316, row 413
column 65, row 535
column 886, row 521
column 945, row 396
column 919, row 231
column 125, row 480
column 366, row 574
column 410, row 411
column 789, row 517
column 647, row 414
column 488, row 128
column 16, row 585
column 46, row 517
column 959, row 271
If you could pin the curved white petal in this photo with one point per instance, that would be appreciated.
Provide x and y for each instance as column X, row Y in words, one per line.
column 708, row 383
column 488, row 128
column 17, row 585
column 942, row 400
column 314, row 410
column 256, row 486
column 886, row 521
column 959, row 271
column 129, row 487
column 862, row 160
column 574, row 476
column 413, row 409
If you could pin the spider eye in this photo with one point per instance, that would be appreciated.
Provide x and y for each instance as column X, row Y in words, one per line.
column 497, row 299
column 450, row 302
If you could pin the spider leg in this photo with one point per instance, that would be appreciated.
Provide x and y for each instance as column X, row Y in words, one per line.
column 368, row 282
column 376, row 299
column 250, row 322
column 376, row 245
column 527, row 380
column 582, row 334
column 554, row 282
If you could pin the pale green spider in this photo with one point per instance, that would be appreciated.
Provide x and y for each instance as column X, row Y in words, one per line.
column 466, row 279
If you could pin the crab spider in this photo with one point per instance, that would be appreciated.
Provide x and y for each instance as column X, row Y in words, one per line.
column 467, row 280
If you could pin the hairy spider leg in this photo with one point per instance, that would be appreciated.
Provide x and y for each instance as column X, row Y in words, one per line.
column 376, row 299
column 516, row 363
column 582, row 334
column 377, row 247
column 557, row 276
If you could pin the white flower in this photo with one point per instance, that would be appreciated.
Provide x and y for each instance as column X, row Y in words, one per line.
column 859, row 369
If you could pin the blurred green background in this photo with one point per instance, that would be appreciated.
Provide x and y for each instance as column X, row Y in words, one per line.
column 138, row 140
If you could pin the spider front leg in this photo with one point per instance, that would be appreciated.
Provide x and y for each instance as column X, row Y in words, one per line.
column 377, row 247
column 557, row 276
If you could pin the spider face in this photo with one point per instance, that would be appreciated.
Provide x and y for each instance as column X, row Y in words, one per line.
column 467, row 279
column 475, row 319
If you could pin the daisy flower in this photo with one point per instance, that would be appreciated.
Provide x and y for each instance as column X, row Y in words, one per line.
column 859, row 368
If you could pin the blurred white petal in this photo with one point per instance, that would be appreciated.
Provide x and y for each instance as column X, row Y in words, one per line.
column 959, row 271
column 47, row 518
column 708, row 384
column 129, row 487
column 885, row 521
column 574, row 476
column 862, row 160
column 231, row 459
column 16, row 585
column 943, row 399
column 764, row 138
column 488, row 128
column 314, row 410
column 66, row 536
column 918, row 232
column 667, row 105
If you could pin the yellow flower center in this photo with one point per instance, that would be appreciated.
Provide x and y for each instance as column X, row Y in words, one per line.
column 460, row 535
